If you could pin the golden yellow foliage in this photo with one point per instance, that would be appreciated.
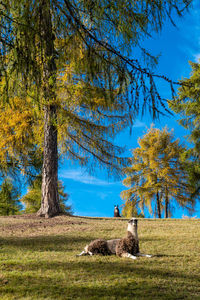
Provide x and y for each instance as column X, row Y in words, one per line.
column 156, row 174
column 20, row 130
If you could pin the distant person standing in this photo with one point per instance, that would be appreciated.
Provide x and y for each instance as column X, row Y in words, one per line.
column 116, row 212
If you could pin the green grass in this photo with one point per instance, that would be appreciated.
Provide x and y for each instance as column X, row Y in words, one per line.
column 37, row 260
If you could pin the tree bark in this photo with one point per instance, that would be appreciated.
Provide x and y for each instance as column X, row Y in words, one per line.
column 50, row 200
column 158, row 205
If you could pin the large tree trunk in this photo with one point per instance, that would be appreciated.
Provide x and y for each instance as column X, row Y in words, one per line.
column 50, row 200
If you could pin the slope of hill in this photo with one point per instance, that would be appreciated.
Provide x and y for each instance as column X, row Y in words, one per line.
column 38, row 259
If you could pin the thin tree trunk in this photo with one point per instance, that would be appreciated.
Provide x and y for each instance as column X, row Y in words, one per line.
column 50, row 200
column 155, row 211
column 158, row 204
column 166, row 204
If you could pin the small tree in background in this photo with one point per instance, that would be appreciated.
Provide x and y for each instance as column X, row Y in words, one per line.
column 32, row 199
column 157, row 175
column 9, row 198
column 63, row 198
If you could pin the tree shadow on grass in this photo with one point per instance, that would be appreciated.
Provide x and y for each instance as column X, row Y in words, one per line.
column 92, row 279
column 112, row 268
column 44, row 243
column 49, row 289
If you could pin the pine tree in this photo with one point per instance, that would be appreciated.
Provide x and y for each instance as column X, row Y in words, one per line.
column 39, row 38
column 156, row 175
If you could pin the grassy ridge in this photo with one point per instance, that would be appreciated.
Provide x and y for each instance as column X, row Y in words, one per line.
column 37, row 260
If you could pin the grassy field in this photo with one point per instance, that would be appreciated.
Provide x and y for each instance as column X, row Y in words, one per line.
column 37, row 260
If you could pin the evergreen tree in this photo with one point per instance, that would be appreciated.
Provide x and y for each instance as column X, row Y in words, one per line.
column 156, row 175
column 38, row 39
column 9, row 199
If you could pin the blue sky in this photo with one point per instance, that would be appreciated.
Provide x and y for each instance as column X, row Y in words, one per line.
column 95, row 195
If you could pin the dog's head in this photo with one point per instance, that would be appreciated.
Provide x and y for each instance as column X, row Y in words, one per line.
column 133, row 221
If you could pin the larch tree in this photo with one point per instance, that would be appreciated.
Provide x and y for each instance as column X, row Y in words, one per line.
column 156, row 174
column 40, row 39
